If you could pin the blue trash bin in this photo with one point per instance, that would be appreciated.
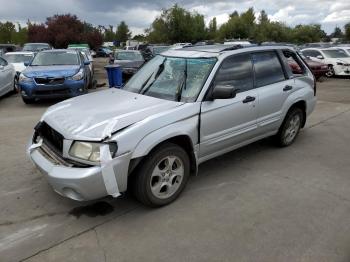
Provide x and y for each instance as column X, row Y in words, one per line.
column 115, row 77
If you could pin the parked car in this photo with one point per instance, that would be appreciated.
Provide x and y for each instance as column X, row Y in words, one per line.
column 7, row 77
column 344, row 48
column 153, row 50
column 58, row 73
column 337, row 60
column 180, row 109
column 18, row 59
column 36, row 47
column 318, row 69
column 4, row 48
column 103, row 52
column 129, row 60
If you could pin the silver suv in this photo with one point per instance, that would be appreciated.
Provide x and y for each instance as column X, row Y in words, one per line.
column 182, row 108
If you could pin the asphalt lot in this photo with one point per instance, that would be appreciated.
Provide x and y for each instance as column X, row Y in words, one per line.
column 259, row 203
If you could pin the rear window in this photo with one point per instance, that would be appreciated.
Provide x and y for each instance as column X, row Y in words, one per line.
column 268, row 69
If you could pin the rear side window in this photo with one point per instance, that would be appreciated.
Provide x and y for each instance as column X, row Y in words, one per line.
column 236, row 71
column 268, row 69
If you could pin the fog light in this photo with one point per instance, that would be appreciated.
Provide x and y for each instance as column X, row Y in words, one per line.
column 80, row 90
column 23, row 93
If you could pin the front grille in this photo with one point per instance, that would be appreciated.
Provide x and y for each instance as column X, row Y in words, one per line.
column 50, row 136
column 62, row 91
column 49, row 80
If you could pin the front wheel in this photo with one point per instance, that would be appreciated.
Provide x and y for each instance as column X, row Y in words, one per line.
column 330, row 72
column 290, row 128
column 28, row 100
column 162, row 175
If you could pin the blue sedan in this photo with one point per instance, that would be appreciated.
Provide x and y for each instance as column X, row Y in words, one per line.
column 58, row 73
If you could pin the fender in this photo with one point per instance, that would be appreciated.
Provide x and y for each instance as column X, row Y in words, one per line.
column 187, row 127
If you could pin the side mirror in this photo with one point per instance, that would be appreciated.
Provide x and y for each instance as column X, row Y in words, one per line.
column 26, row 63
column 319, row 57
column 86, row 62
column 223, row 92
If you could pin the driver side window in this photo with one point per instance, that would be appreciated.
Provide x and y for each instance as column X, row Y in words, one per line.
column 236, row 71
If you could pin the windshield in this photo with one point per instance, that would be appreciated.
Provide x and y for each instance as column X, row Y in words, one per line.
column 171, row 78
column 35, row 47
column 336, row 53
column 56, row 58
column 128, row 56
column 18, row 58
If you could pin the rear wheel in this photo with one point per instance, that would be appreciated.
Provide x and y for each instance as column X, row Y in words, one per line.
column 290, row 128
column 162, row 176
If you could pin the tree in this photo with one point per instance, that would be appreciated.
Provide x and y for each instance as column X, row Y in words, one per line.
column 123, row 33
column 109, row 34
column 7, row 29
column 337, row 33
column 347, row 31
column 212, row 30
column 177, row 25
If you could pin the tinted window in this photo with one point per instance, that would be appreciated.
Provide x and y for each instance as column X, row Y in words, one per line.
column 268, row 69
column 236, row 71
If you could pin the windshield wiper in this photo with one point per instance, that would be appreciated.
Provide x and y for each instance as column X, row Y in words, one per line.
column 182, row 85
column 143, row 90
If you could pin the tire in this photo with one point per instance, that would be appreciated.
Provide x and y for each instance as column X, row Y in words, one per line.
column 15, row 85
column 290, row 127
column 155, row 182
column 330, row 72
column 28, row 100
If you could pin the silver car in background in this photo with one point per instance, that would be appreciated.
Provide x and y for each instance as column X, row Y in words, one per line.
column 182, row 108
column 7, row 77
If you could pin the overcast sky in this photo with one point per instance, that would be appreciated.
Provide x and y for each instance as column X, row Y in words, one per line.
column 139, row 14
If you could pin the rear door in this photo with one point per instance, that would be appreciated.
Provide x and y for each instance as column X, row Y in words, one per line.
column 226, row 123
column 273, row 89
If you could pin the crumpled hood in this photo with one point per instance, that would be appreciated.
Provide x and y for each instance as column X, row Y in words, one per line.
column 96, row 116
column 129, row 63
column 51, row 71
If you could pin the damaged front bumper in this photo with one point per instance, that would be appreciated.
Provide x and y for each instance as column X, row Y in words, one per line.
column 82, row 183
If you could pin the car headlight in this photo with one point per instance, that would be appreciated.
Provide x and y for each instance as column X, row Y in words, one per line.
column 78, row 76
column 90, row 151
column 23, row 78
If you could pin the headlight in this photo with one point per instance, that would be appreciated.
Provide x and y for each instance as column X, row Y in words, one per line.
column 23, row 78
column 77, row 76
column 90, row 151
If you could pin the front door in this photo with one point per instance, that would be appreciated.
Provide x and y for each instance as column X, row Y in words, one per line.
column 225, row 123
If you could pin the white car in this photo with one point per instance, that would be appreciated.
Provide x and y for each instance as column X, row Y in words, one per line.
column 7, row 77
column 18, row 60
column 338, row 61
column 346, row 49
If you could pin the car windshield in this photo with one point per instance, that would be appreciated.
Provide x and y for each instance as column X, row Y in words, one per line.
column 18, row 58
column 56, row 58
column 335, row 53
column 35, row 47
column 128, row 56
column 172, row 78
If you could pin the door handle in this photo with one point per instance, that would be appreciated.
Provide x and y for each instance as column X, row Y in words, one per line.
column 287, row 88
column 248, row 99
